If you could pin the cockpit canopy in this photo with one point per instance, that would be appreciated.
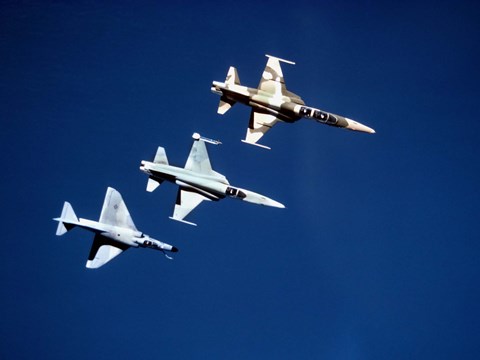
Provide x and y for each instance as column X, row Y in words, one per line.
column 319, row 115
column 324, row 117
column 233, row 192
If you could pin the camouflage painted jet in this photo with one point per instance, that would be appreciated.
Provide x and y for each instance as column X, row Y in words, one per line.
column 197, row 181
column 272, row 102
column 114, row 231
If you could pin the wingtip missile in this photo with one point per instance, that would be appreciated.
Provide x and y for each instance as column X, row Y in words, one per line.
column 280, row 59
column 255, row 144
column 182, row 221
column 196, row 136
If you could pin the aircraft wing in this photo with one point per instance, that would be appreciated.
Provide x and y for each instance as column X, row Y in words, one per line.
column 272, row 77
column 103, row 250
column 198, row 160
column 259, row 124
column 187, row 200
column 272, row 80
column 115, row 212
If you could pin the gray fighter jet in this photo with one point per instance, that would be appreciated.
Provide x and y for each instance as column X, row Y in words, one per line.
column 197, row 181
column 114, row 231
column 272, row 102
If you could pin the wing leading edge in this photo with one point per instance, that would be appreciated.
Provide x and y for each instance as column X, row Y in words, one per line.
column 103, row 250
column 115, row 212
column 198, row 159
column 187, row 200
column 272, row 80
column 258, row 126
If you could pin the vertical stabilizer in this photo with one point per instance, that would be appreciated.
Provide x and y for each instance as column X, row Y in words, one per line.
column 67, row 220
column 161, row 156
column 226, row 103
column 232, row 77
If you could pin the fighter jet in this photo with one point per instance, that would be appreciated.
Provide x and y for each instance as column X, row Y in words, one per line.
column 197, row 181
column 114, row 232
column 272, row 102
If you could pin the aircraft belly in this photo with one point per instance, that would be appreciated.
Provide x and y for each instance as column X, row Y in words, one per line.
column 164, row 174
column 91, row 225
column 238, row 90
column 121, row 235
column 285, row 110
column 268, row 101
column 207, row 187
column 290, row 110
column 237, row 97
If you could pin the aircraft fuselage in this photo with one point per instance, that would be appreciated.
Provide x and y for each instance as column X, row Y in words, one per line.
column 213, row 187
column 285, row 108
column 122, row 235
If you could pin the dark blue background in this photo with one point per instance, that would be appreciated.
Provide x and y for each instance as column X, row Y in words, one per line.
column 376, row 255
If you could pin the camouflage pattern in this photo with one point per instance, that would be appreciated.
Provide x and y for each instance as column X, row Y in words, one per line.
column 271, row 102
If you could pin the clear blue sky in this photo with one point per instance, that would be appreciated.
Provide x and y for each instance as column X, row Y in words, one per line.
column 376, row 255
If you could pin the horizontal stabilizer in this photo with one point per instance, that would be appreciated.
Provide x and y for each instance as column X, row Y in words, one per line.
column 224, row 105
column 67, row 220
column 152, row 184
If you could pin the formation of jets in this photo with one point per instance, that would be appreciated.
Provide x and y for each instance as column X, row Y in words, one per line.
column 271, row 102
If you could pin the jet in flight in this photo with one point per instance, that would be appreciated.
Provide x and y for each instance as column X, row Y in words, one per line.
column 271, row 102
column 114, row 231
column 197, row 181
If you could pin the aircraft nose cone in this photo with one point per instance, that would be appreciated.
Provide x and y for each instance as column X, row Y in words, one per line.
column 273, row 203
column 259, row 199
column 174, row 249
column 356, row 126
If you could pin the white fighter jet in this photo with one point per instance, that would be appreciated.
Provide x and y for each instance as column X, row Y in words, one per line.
column 271, row 102
column 197, row 181
column 114, row 231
